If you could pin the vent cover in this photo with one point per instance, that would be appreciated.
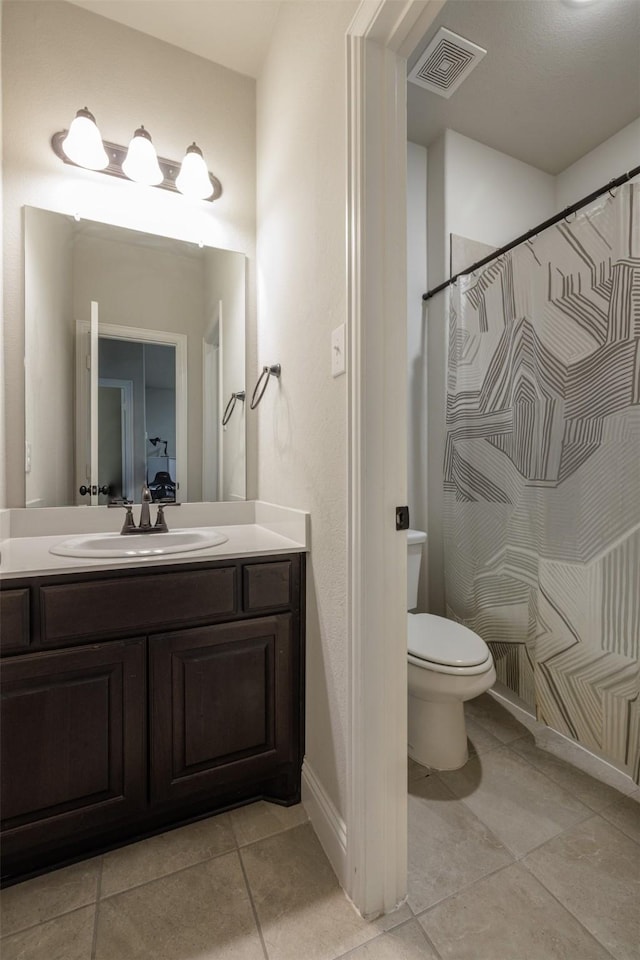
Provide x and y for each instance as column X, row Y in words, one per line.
column 447, row 61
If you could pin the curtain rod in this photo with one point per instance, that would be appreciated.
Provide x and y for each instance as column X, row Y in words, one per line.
column 536, row 230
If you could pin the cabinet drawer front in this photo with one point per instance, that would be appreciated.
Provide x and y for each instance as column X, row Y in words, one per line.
column 221, row 705
column 267, row 586
column 14, row 620
column 73, row 741
column 117, row 607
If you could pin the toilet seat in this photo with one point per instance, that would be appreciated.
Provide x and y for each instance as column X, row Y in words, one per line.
column 445, row 646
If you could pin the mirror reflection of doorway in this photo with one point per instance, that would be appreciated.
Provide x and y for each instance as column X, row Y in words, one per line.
column 137, row 418
column 115, row 439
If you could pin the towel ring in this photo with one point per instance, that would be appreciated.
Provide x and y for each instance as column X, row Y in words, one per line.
column 230, row 407
column 273, row 371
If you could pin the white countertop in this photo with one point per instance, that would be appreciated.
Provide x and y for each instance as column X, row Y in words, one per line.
column 274, row 530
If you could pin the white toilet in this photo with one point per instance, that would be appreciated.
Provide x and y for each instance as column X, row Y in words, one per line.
column 448, row 664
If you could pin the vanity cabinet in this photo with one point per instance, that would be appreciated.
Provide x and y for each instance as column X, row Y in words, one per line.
column 219, row 712
column 73, row 742
column 133, row 700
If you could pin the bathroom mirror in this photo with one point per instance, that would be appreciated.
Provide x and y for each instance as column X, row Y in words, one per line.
column 134, row 346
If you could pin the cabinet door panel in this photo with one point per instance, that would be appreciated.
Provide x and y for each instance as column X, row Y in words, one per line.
column 14, row 619
column 221, row 705
column 267, row 586
column 73, row 750
column 216, row 683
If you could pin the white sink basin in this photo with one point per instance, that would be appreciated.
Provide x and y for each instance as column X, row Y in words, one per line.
column 138, row 544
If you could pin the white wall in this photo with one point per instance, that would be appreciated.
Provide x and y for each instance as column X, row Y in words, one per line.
column 3, row 459
column 57, row 57
column 50, row 360
column 302, row 297
column 615, row 156
column 489, row 196
column 417, row 340
column 225, row 284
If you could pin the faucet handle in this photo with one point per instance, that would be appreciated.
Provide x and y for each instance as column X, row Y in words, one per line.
column 161, row 524
column 129, row 525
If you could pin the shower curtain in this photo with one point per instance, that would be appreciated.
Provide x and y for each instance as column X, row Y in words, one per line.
column 542, row 472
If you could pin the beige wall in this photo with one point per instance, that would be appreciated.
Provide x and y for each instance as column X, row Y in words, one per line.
column 302, row 297
column 56, row 58
column 49, row 360
column 225, row 285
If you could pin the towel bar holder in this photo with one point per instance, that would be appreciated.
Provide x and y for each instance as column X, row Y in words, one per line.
column 258, row 392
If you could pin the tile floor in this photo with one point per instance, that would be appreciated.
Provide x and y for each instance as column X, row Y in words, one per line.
column 518, row 856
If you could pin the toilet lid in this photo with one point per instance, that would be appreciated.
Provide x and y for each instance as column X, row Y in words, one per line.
column 444, row 641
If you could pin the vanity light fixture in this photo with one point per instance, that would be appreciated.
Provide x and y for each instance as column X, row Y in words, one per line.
column 141, row 162
column 193, row 179
column 82, row 146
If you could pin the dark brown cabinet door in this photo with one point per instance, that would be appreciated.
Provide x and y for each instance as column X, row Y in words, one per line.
column 73, row 743
column 222, row 706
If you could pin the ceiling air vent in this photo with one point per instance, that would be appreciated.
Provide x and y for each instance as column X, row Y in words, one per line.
column 447, row 61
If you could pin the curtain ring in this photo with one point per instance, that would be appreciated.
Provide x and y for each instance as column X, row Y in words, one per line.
column 273, row 371
column 230, row 407
column 566, row 219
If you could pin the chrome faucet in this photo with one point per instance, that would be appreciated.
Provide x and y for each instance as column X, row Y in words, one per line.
column 145, row 525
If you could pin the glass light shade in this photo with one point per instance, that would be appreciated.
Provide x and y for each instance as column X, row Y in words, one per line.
column 193, row 180
column 141, row 163
column 83, row 143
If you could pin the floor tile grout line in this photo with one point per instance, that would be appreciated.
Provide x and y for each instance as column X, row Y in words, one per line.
column 531, row 733
column 590, row 812
column 561, row 833
column 619, row 829
column 566, row 908
column 254, row 910
column 618, row 800
column 277, row 833
column 463, row 889
column 137, row 886
column 233, row 830
column 216, row 856
column 572, row 767
column 383, row 933
column 561, row 760
column 430, row 941
column 172, row 873
column 485, row 826
column 94, row 939
column 41, row 923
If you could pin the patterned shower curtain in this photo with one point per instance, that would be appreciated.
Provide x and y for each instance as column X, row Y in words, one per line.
column 542, row 472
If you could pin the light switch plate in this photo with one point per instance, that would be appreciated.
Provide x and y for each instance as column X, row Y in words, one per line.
column 337, row 351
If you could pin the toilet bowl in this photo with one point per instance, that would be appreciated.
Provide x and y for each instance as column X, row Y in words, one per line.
column 447, row 664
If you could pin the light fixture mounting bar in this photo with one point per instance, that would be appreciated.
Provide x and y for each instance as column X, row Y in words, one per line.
column 117, row 154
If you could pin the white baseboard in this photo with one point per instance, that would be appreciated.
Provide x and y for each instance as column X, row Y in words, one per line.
column 562, row 746
column 329, row 826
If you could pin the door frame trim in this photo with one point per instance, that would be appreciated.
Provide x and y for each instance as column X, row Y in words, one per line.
column 379, row 39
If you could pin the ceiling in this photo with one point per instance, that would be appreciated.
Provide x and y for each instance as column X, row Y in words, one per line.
column 234, row 33
column 559, row 78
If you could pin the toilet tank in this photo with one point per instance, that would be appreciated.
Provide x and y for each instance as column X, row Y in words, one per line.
column 415, row 542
